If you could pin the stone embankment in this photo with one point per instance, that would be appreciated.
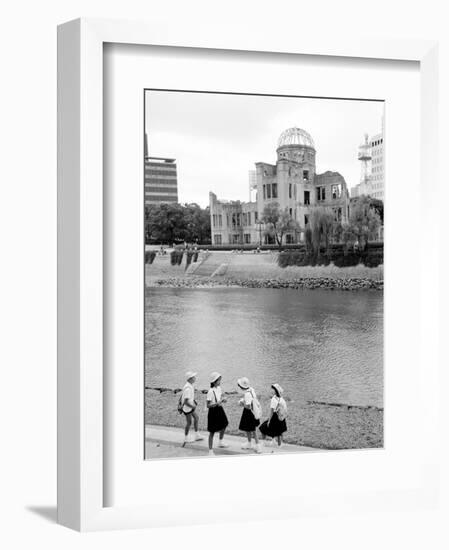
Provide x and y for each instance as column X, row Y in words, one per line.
column 326, row 283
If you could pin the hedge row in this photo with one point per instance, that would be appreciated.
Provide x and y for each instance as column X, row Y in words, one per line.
column 340, row 256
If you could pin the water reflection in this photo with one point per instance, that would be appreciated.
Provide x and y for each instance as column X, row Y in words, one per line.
column 320, row 345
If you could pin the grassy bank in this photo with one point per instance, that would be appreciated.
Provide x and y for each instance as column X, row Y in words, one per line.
column 316, row 425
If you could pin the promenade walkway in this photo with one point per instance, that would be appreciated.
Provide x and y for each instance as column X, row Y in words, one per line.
column 166, row 442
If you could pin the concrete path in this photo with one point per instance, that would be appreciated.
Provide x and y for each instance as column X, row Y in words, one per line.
column 166, row 442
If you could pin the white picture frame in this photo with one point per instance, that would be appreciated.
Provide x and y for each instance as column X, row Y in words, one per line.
column 81, row 404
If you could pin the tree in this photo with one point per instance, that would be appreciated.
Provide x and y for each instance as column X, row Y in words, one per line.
column 323, row 225
column 278, row 222
column 364, row 221
column 173, row 222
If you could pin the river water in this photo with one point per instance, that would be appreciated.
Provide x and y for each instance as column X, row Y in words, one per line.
column 319, row 345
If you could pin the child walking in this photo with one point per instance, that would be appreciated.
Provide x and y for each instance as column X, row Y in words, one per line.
column 187, row 406
column 251, row 410
column 217, row 420
column 276, row 425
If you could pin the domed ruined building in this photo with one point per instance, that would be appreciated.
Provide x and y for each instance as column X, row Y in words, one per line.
column 292, row 182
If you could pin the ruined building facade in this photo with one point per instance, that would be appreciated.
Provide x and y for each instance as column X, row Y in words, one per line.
column 293, row 183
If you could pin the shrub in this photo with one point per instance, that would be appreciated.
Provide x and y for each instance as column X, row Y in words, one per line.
column 149, row 256
column 189, row 256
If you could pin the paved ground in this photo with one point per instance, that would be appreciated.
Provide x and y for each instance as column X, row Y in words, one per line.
column 166, row 442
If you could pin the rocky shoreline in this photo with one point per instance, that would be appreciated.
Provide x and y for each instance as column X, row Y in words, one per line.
column 327, row 283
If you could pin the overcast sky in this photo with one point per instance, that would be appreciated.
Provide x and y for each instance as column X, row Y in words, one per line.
column 217, row 138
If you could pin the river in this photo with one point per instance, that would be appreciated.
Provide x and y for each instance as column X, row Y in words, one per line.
column 320, row 345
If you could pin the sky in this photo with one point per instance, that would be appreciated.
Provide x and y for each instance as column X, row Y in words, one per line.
column 217, row 138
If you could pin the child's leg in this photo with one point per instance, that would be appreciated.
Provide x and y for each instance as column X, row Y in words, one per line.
column 188, row 424
column 256, row 438
column 279, row 438
column 195, row 420
column 211, row 440
column 248, row 436
column 222, row 434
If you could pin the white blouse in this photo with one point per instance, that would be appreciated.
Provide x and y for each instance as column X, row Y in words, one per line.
column 214, row 394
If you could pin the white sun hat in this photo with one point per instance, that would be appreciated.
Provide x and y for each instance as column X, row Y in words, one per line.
column 243, row 383
column 190, row 374
column 214, row 377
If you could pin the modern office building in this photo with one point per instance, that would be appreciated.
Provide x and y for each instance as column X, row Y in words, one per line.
column 161, row 181
column 293, row 183
column 377, row 166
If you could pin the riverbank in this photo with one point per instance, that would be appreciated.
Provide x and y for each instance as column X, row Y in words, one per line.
column 310, row 424
column 260, row 271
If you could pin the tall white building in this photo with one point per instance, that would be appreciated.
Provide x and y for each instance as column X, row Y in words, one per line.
column 377, row 166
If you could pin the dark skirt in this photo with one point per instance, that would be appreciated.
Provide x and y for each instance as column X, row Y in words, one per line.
column 277, row 427
column 216, row 419
column 248, row 423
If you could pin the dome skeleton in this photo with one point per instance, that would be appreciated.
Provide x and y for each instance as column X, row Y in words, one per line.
column 295, row 136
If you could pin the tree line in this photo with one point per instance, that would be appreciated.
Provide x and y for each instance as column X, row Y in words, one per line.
column 172, row 223
column 365, row 219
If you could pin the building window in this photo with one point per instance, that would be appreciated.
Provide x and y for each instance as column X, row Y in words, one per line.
column 288, row 238
column 249, row 218
column 239, row 221
column 247, row 238
column 306, row 219
column 256, row 217
column 336, row 191
column 274, row 190
column 305, row 175
column 217, row 239
column 268, row 191
column 235, row 239
column 337, row 214
column 291, row 212
column 220, row 220
column 306, row 197
column 289, row 190
column 321, row 193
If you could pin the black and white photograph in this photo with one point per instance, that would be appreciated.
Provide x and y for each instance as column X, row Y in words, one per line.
column 264, row 306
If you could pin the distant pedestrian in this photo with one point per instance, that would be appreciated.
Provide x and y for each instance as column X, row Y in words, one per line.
column 276, row 424
column 217, row 420
column 251, row 414
column 187, row 406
